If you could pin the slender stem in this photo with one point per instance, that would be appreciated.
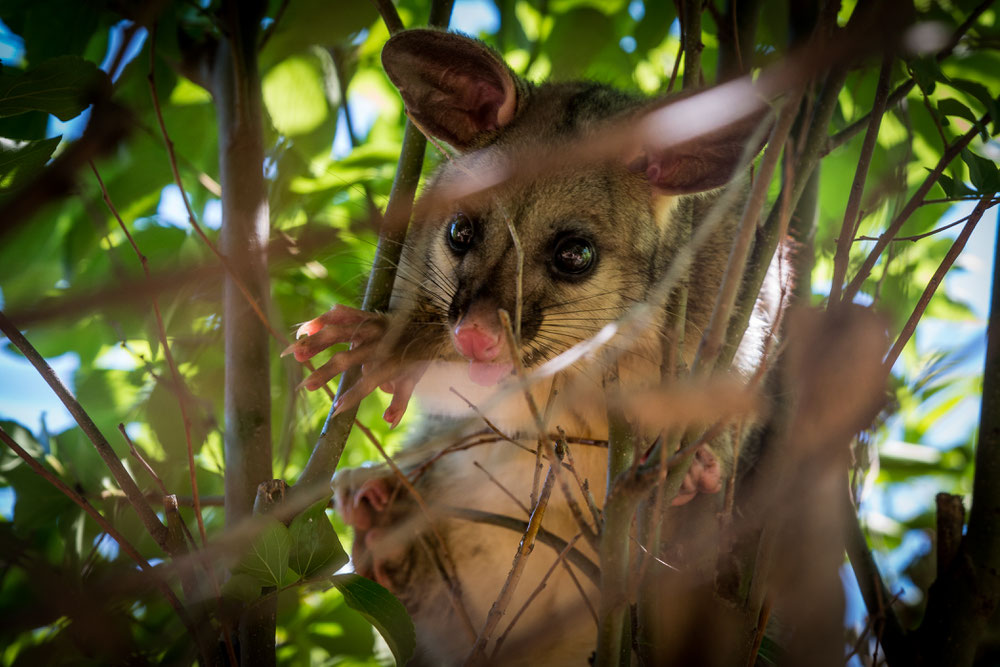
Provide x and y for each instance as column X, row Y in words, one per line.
column 534, row 594
column 714, row 336
column 961, row 602
column 477, row 655
column 873, row 589
column 912, row 205
column 901, row 91
column 135, row 496
column 843, row 254
column 691, row 39
column 925, row 298
column 125, row 545
column 180, row 389
column 576, row 557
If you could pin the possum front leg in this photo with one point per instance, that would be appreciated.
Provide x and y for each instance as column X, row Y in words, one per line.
column 374, row 339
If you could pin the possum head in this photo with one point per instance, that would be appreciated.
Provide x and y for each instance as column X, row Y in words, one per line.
column 521, row 219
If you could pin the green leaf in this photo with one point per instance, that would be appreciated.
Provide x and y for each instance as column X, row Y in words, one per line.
column 981, row 93
column 952, row 107
column 294, row 96
column 62, row 86
column 20, row 159
column 242, row 587
column 982, row 172
column 315, row 547
column 952, row 188
column 318, row 22
column 382, row 610
column 576, row 39
column 267, row 559
column 926, row 73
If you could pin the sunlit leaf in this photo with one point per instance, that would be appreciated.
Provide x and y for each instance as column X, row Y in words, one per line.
column 382, row 610
column 267, row 558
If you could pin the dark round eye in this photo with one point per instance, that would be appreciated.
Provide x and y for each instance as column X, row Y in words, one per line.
column 461, row 233
column 574, row 255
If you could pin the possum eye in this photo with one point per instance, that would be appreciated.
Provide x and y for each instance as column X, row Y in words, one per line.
column 573, row 255
column 461, row 233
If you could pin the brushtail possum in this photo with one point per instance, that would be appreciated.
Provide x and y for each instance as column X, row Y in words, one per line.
column 565, row 251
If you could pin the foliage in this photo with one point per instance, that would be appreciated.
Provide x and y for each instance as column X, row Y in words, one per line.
column 70, row 280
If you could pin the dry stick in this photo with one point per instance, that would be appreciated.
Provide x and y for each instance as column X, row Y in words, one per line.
column 181, row 389
column 482, row 416
column 478, row 653
column 453, row 585
column 953, row 151
column 134, row 451
column 581, row 483
column 932, row 285
column 671, row 370
column 543, row 439
column 135, row 496
column 714, row 335
column 125, row 545
column 903, row 89
column 843, row 254
column 506, row 491
column 583, row 593
column 937, row 230
column 534, row 594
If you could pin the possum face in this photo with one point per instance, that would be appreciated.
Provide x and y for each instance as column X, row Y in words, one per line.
column 588, row 240
column 594, row 231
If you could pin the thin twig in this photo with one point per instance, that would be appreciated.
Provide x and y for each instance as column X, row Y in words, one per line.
column 714, row 335
column 534, row 594
column 179, row 385
column 918, row 237
column 586, row 566
column 125, row 545
column 843, row 254
column 506, row 491
column 925, row 298
column 865, row 270
column 583, row 593
column 135, row 496
column 274, row 25
column 134, row 451
column 389, row 15
column 490, row 425
column 499, row 607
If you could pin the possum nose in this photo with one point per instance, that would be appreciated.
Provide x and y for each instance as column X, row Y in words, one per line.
column 476, row 343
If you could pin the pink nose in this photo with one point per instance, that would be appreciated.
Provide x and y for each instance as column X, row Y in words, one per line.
column 475, row 343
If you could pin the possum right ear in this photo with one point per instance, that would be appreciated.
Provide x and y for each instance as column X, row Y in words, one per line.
column 454, row 87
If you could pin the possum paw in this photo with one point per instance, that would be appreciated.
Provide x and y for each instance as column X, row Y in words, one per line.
column 367, row 335
column 704, row 476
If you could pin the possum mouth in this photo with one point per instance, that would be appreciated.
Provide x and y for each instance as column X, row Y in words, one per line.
column 487, row 374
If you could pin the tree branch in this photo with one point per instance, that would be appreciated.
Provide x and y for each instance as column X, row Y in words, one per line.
column 843, row 254
column 135, row 496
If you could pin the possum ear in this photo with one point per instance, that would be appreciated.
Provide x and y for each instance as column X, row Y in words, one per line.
column 454, row 87
column 703, row 162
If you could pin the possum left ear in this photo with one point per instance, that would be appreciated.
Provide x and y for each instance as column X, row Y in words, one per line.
column 704, row 162
column 454, row 87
